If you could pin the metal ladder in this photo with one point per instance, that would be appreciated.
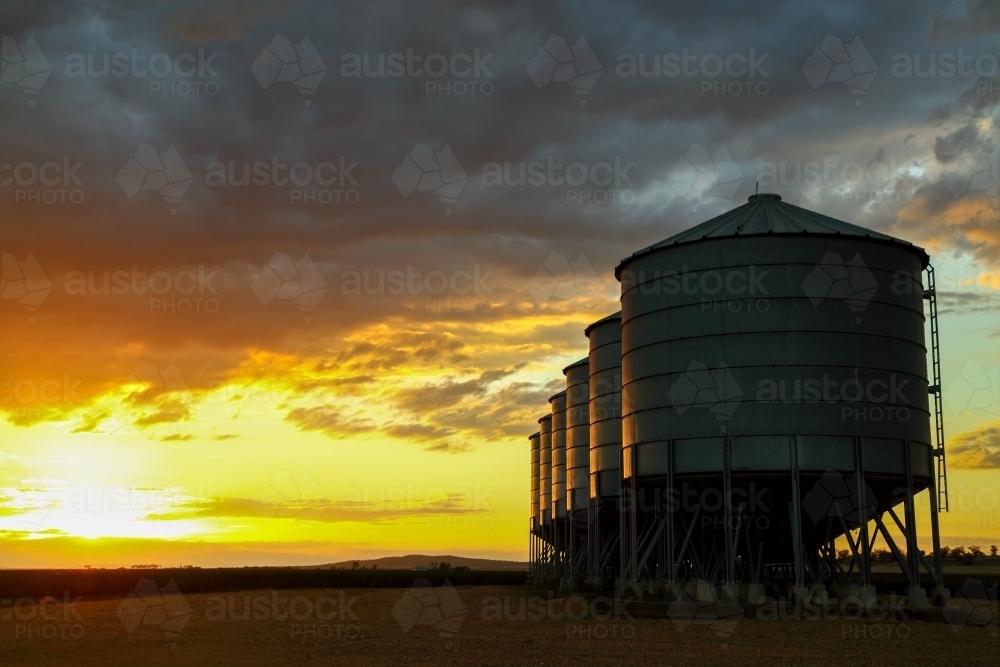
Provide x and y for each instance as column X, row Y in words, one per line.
column 935, row 389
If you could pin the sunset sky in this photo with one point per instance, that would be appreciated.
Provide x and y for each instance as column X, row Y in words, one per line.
column 209, row 358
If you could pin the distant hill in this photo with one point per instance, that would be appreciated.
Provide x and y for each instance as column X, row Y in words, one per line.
column 413, row 560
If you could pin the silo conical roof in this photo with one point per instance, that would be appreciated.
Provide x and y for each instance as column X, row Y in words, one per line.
column 766, row 214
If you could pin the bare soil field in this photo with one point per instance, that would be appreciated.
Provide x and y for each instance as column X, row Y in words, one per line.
column 486, row 625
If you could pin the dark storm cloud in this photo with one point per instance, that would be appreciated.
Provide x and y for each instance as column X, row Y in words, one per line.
column 769, row 118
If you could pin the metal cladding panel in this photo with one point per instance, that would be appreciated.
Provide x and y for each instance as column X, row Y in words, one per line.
column 558, row 403
column 535, row 440
column 701, row 455
column 578, row 499
column 606, row 484
column 770, row 348
column 577, row 434
column 607, row 433
column 735, row 335
column 606, row 459
column 605, row 331
column 835, row 400
column 605, row 406
column 884, row 456
column 826, row 452
column 784, row 315
column 650, row 460
column 577, row 462
column 760, row 453
column 545, row 466
column 920, row 459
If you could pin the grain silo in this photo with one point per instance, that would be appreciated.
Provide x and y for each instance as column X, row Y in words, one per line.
column 560, row 523
column 545, row 494
column 605, row 383
column 577, row 464
column 534, row 499
column 775, row 399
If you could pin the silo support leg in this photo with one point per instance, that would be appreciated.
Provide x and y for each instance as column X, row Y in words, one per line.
column 940, row 591
column 633, row 520
column 796, row 510
column 727, row 512
column 671, row 538
column 911, row 519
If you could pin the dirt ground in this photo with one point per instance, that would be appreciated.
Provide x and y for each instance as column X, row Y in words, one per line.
column 464, row 626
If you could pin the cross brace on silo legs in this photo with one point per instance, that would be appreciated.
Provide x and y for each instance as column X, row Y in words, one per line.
column 864, row 563
column 671, row 546
column 633, row 514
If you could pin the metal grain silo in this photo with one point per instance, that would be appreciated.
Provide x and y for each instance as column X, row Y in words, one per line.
column 577, row 461
column 558, row 504
column 534, row 533
column 605, row 383
column 558, row 403
column 545, row 470
column 545, row 495
column 775, row 357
